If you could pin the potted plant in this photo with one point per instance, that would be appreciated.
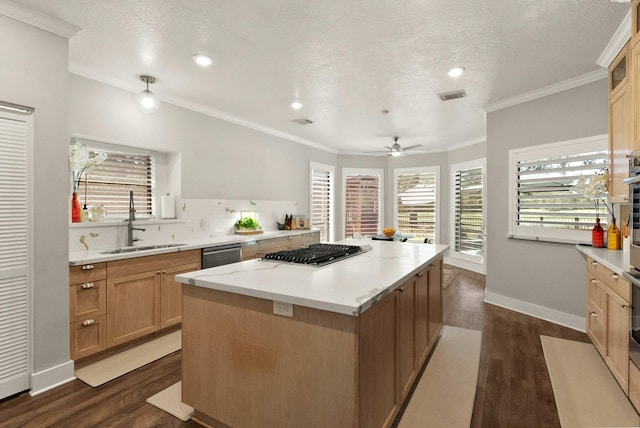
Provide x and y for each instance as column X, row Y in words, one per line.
column 247, row 225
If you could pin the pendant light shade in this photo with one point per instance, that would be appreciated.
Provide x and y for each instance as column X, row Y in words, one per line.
column 148, row 102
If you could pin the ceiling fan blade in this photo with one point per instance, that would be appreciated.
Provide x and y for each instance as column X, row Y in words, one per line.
column 415, row 146
column 377, row 151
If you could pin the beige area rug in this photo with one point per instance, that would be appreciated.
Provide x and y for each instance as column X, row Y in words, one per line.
column 446, row 392
column 170, row 400
column 110, row 368
column 587, row 394
column 448, row 275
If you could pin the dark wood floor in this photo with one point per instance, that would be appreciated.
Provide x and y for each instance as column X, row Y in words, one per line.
column 514, row 389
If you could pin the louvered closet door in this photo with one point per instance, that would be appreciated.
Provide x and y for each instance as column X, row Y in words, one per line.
column 14, row 293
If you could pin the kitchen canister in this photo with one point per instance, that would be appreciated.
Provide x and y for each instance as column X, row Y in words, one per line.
column 167, row 206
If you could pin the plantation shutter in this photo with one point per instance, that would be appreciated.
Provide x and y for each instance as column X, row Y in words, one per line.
column 546, row 193
column 14, row 293
column 110, row 182
column 468, row 212
column 322, row 201
column 362, row 204
column 416, row 204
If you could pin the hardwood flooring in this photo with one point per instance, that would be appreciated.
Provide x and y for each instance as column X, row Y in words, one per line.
column 514, row 389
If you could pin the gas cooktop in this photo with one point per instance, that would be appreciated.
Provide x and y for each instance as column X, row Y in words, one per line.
column 316, row 255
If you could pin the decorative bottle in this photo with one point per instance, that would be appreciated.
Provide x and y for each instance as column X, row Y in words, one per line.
column 597, row 235
column 75, row 209
column 613, row 236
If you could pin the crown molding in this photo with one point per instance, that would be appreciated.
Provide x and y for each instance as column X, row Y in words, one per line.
column 180, row 102
column 617, row 42
column 37, row 19
column 548, row 90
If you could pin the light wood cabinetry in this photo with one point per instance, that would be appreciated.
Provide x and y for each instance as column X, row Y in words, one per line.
column 87, row 309
column 316, row 369
column 635, row 21
column 634, row 385
column 261, row 247
column 608, row 318
column 621, row 123
column 114, row 302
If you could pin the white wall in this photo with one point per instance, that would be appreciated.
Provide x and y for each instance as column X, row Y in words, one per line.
column 539, row 277
column 33, row 72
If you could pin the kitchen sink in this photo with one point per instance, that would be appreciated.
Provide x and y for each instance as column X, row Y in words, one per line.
column 122, row 250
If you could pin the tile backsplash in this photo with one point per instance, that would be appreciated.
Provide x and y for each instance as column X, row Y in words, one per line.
column 196, row 218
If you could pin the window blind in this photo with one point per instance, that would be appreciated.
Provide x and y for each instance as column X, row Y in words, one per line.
column 546, row 190
column 322, row 202
column 468, row 211
column 416, row 204
column 362, row 204
column 110, row 182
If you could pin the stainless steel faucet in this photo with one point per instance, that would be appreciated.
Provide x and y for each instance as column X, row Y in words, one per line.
column 130, row 220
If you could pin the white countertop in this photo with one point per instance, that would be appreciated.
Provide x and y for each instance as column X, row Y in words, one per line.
column 613, row 259
column 96, row 256
column 348, row 286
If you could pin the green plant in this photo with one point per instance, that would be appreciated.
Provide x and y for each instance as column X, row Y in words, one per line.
column 247, row 223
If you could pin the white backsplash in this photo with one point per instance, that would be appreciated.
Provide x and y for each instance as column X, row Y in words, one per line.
column 197, row 218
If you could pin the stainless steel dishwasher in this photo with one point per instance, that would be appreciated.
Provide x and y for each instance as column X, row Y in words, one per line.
column 221, row 255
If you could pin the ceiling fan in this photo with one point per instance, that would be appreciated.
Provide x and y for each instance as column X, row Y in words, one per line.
column 396, row 149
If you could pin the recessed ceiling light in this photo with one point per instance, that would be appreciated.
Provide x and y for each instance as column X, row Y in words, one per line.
column 202, row 60
column 296, row 105
column 456, row 71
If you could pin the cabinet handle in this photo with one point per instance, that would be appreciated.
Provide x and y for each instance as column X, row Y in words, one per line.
column 158, row 272
column 624, row 306
column 87, row 267
column 614, row 276
column 593, row 280
column 87, row 285
column 163, row 271
column 88, row 323
column 420, row 275
column 401, row 290
column 594, row 315
column 594, row 263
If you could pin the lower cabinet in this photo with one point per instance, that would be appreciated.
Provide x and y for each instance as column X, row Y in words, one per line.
column 171, row 294
column 617, row 338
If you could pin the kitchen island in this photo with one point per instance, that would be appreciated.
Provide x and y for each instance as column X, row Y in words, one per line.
column 276, row 344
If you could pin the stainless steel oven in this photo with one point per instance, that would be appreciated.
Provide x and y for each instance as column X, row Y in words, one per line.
column 634, row 323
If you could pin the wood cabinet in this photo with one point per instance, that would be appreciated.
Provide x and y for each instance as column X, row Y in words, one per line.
column 134, row 294
column 608, row 318
column 635, row 21
column 87, row 309
column 316, row 369
column 261, row 247
column 634, row 385
column 621, row 124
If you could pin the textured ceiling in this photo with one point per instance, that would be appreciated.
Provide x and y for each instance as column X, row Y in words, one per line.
column 345, row 60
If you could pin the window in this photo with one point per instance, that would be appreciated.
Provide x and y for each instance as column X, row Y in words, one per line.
column 362, row 206
column 467, row 208
column 545, row 198
column 416, row 202
column 109, row 182
column 322, row 189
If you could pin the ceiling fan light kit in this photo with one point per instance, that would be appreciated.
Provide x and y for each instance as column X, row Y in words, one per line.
column 148, row 102
column 396, row 149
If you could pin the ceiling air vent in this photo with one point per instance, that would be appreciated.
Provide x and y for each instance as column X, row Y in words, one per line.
column 303, row 121
column 446, row 96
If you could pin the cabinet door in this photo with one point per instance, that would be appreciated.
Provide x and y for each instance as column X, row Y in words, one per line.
column 617, row 338
column 378, row 360
column 422, row 316
column 407, row 335
column 620, row 142
column 171, row 294
column 133, row 306
column 87, row 337
column 435, row 300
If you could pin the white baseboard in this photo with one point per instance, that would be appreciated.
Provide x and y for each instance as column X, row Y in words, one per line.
column 52, row 377
column 547, row 314
column 473, row 267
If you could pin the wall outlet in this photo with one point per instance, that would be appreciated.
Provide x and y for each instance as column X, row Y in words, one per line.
column 282, row 308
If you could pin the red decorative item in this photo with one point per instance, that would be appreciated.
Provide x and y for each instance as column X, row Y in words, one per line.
column 597, row 235
column 75, row 208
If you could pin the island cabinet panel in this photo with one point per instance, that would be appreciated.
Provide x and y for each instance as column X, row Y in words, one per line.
column 379, row 386
column 407, row 336
column 422, row 316
column 435, row 300
column 243, row 366
column 171, row 294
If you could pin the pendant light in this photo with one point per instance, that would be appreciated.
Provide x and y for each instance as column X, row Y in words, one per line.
column 147, row 100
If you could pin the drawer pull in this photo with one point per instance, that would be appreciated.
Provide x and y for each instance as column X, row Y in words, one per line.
column 614, row 276
column 421, row 274
column 88, row 267
column 401, row 290
column 594, row 315
column 593, row 280
column 594, row 263
column 87, row 285
column 87, row 323
column 624, row 306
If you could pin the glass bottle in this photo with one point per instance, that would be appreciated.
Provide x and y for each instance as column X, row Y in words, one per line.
column 613, row 236
column 75, row 208
column 597, row 235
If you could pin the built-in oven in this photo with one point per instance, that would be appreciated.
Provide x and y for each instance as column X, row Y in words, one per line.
column 634, row 256
column 634, row 323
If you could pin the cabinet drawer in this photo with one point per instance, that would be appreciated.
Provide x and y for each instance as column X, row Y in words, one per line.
column 595, row 326
column 596, row 269
column 88, row 272
column 634, row 385
column 87, row 300
column 595, row 291
column 618, row 284
column 88, row 337
column 149, row 263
